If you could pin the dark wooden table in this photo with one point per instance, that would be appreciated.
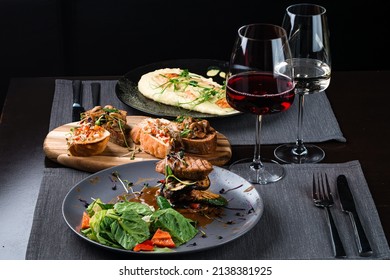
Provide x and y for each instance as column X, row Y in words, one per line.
column 355, row 99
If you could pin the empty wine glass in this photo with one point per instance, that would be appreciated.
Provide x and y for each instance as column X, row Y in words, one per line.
column 260, row 81
column 308, row 33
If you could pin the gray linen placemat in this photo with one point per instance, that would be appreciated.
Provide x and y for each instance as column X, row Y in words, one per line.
column 291, row 226
column 320, row 123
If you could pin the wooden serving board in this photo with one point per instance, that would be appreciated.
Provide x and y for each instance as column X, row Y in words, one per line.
column 56, row 149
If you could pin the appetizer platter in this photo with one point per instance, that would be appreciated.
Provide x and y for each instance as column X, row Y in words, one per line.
column 177, row 87
column 107, row 137
column 179, row 213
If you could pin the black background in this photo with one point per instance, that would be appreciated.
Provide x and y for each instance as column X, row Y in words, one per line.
column 110, row 37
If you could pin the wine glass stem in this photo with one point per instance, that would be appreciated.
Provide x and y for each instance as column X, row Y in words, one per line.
column 257, row 164
column 300, row 149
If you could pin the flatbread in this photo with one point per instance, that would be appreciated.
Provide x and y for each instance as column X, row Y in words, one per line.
column 181, row 88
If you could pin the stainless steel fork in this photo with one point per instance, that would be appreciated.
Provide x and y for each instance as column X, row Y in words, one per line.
column 322, row 197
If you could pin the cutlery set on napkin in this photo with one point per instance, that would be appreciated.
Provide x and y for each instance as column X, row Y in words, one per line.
column 323, row 198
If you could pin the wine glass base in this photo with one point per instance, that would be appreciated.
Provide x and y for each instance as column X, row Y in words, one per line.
column 269, row 173
column 285, row 154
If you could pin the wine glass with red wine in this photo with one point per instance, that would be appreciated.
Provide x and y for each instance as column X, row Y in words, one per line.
column 260, row 82
column 308, row 33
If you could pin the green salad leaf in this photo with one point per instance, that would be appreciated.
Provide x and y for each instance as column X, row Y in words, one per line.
column 162, row 202
column 129, row 229
column 125, row 229
column 98, row 205
column 180, row 228
column 125, row 206
column 123, row 224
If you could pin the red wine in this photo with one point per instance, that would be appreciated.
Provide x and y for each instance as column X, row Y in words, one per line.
column 259, row 93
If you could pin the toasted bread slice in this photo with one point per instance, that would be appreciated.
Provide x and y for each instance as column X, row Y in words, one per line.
column 153, row 136
column 111, row 119
column 160, row 136
column 120, row 136
column 201, row 146
column 135, row 134
column 154, row 146
column 196, row 135
column 83, row 145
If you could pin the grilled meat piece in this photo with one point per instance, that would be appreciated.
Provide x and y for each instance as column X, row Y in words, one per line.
column 186, row 168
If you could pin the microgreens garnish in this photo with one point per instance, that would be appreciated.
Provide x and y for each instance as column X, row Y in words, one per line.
column 184, row 79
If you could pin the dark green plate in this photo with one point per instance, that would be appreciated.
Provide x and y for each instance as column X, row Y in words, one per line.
column 127, row 87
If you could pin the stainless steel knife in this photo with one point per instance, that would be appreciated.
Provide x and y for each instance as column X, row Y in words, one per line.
column 77, row 109
column 349, row 207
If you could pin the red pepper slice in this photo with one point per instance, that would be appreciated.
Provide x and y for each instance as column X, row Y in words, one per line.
column 85, row 221
column 163, row 239
column 147, row 245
